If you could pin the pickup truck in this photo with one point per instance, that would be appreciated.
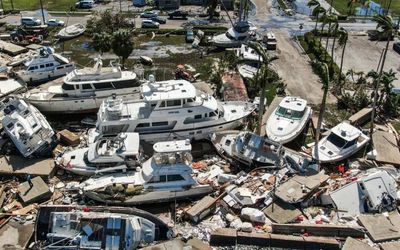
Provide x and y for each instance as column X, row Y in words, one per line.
column 178, row 14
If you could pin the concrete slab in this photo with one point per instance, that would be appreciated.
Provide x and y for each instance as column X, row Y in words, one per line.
column 18, row 165
column 282, row 212
column 11, row 49
column 389, row 245
column 201, row 209
column 14, row 235
column 319, row 230
column 380, row 228
column 385, row 144
column 353, row 244
column 223, row 237
column 39, row 191
column 361, row 117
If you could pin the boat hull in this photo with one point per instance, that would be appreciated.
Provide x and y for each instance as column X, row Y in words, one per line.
column 35, row 78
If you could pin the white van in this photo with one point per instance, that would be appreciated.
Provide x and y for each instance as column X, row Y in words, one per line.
column 30, row 21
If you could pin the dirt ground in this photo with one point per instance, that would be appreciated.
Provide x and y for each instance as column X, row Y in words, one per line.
column 363, row 55
column 293, row 67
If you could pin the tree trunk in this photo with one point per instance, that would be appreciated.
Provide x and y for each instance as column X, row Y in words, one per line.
column 316, row 23
column 350, row 9
column 2, row 5
column 341, row 68
column 322, row 31
column 371, row 129
column 12, row 4
column 41, row 7
column 333, row 50
column 321, row 113
column 261, row 111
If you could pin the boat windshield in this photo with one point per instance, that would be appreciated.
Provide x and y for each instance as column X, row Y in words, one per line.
column 288, row 113
column 339, row 141
column 228, row 35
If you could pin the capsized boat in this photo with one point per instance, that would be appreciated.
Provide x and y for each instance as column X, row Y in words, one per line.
column 27, row 127
column 108, row 154
column 83, row 90
column 288, row 120
column 86, row 229
column 166, row 176
column 248, row 148
column 71, row 31
column 342, row 141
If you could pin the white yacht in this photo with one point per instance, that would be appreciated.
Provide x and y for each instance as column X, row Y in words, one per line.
column 166, row 176
column 84, row 229
column 248, row 148
column 27, row 127
column 343, row 141
column 241, row 32
column 108, row 154
column 245, row 52
column 83, row 90
column 288, row 120
column 42, row 66
column 171, row 110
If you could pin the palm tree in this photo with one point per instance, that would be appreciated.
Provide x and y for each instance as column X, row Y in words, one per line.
column 101, row 42
column 330, row 19
column 325, row 82
column 122, row 44
column 313, row 4
column 317, row 11
column 386, row 29
column 350, row 4
column 343, row 37
column 262, row 77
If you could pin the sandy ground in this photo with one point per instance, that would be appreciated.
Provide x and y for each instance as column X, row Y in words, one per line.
column 294, row 68
column 363, row 55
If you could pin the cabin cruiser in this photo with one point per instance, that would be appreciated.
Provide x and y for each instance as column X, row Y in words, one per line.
column 170, row 110
column 166, row 176
column 241, row 32
column 248, row 148
column 288, row 120
column 108, row 154
column 342, row 141
column 9, row 85
column 27, row 127
column 83, row 90
column 86, row 229
column 42, row 66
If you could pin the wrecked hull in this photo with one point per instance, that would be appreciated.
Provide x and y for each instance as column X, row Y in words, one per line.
column 151, row 197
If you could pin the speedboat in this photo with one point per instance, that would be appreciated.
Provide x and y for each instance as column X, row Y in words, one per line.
column 342, row 141
column 170, row 110
column 27, row 127
column 241, row 32
column 86, row 229
column 71, row 31
column 248, row 148
column 83, row 90
column 104, row 156
column 288, row 120
column 41, row 66
column 166, row 176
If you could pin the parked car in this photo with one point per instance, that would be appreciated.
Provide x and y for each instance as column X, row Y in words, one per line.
column 84, row 4
column 178, row 14
column 159, row 20
column 30, row 21
column 396, row 47
column 55, row 22
column 150, row 24
column 189, row 38
column 148, row 14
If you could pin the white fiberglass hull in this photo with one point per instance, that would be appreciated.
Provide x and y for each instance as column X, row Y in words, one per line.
column 44, row 76
column 284, row 130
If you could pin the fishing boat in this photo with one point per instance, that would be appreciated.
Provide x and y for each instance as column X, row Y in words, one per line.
column 71, row 31
column 41, row 66
column 170, row 110
column 342, row 141
column 108, row 154
column 248, row 148
column 166, row 176
column 97, row 228
column 288, row 120
column 83, row 90
column 27, row 127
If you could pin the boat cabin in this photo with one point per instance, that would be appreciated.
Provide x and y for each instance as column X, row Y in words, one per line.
column 344, row 135
column 292, row 108
column 172, row 152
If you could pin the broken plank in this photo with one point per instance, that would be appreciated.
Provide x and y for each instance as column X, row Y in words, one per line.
column 18, row 165
column 24, row 210
column 361, row 117
column 386, row 147
column 223, row 237
column 201, row 209
column 380, row 228
column 319, row 230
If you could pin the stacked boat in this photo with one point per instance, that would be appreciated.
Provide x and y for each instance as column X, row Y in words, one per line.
column 250, row 61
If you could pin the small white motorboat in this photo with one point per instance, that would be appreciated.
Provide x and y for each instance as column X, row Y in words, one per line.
column 342, row 141
column 71, row 31
column 288, row 120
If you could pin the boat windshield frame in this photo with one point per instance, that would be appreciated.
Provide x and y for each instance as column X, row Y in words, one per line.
column 292, row 114
column 340, row 142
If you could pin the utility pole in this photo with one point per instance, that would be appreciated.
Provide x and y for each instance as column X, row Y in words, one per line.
column 41, row 7
column 120, row 6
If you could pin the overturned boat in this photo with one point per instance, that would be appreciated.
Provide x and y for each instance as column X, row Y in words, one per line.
column 83, row 90
column 108, row 154
column 166, row 176
column 71, row 31
column 73, row 227
column 288, row 120
column 27, row 127
column 248, row 148
column 342, row 141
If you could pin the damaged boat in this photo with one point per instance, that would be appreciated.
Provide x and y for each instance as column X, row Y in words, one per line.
column 74, row 228
column 27, row 127
column 288, row 120
column 108, row 154
column 166, row 176
column 83, row 90
column 342, row 141
column 171, row 110
column 248, row 148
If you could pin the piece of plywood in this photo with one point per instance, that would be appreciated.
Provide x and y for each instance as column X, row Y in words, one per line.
column 18, row 165
column 281, row 212
column 353, row 244
column 16, row 235
column 395, row 245
column 381, row 228
column 385, row 144
column 37, row 192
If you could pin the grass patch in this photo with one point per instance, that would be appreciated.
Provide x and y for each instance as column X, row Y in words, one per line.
column 61, row 5
column 396, row 125
column 341, row 6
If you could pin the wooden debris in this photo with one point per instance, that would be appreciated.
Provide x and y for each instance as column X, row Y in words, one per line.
column 39, row 191
column 380, row 228
column 282, row 212
column 201, row 209
column 25, row 210
column 319, row 230
column 69, row 138
column 361, row 117
column 386, row 147
column 353, row 244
